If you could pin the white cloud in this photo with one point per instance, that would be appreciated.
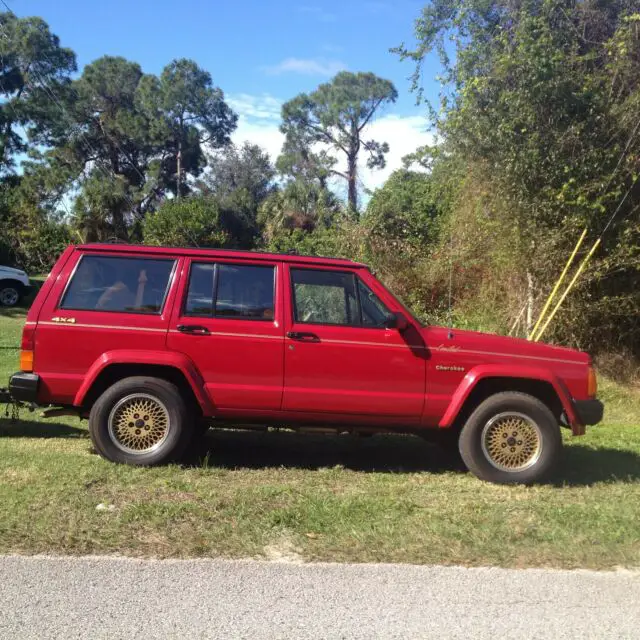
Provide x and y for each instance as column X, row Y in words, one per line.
column 265, row 134
column 404, row 135
column 263, row 107
column 306, row 66
column 259, row 122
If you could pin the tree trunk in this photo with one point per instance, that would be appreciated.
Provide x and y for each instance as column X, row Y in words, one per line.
column 117, row 210
column 352, row 175
column 179, row 169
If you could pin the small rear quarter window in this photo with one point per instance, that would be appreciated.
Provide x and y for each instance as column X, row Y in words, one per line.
column 119, row 284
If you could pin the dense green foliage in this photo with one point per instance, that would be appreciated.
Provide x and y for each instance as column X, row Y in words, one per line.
column 191, row 222
column 539, row 111
column 537, row 137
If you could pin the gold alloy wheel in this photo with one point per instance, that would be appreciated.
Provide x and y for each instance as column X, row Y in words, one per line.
column 139, row 423
column 511, row 442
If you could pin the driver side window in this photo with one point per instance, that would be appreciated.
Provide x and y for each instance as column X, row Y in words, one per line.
column 335, row 298
column 374, row 312
column 324, row 297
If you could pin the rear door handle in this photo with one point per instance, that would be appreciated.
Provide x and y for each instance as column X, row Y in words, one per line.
column 193, row 329
column 305, row 336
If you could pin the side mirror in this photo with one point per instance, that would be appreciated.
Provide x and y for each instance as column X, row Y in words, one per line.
column 397, row 321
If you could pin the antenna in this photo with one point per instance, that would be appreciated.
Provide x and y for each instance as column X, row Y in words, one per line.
column 450, row 334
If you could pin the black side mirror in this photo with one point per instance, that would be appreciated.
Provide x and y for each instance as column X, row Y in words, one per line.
column 397, row 321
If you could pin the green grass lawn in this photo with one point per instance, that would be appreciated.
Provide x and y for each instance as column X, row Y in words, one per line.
column 283, row 495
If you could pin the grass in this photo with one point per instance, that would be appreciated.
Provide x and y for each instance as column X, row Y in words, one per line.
column 288, row 496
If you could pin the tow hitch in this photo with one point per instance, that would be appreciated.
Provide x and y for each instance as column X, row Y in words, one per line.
column 11, row 405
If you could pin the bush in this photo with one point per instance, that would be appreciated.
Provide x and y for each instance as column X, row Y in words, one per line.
column 189, row 222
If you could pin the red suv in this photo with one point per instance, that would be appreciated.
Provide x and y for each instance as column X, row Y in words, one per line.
column 150, row 343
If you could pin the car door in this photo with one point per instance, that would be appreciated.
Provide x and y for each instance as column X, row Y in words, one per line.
column 229, row 322
column 340, row 357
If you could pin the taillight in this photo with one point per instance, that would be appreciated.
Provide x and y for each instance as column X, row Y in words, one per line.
column 27, row 348
column 592, row 383
column 28, row 338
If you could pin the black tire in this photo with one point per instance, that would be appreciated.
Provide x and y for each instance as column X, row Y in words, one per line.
column 168, row 404
column 539, row 425
column 10, row 293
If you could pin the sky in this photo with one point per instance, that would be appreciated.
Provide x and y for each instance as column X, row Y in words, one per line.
column 260, row 53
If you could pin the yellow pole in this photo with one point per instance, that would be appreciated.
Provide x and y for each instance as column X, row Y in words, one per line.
column 557, row 286
column 566, row 291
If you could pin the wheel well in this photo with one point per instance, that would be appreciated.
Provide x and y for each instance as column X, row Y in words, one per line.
column 486, row 387
column 14, row 283
column 112, row 373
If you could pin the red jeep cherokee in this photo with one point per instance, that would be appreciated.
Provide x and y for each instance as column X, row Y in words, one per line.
column 150, row 343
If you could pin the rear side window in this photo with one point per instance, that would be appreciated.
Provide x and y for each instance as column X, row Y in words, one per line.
column 231, row 291
column 126, row 285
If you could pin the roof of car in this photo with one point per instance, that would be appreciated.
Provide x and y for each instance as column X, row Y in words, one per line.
column 222, row 253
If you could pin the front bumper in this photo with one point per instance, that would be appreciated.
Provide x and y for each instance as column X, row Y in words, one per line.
column 24, row 386
column 589, row 411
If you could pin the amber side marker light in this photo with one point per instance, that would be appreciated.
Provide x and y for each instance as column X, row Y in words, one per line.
column 592, row 384
column 26, row 360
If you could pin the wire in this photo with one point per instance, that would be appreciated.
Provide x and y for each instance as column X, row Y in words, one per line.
column 615, row 213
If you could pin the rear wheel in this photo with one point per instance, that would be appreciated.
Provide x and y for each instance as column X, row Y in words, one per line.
column 140, row 420
column 511, row 438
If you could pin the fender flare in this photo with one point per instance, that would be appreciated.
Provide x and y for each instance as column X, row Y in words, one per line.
column 175, row 360
column 482, row 372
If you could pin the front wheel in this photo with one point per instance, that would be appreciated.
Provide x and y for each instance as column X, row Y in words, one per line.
column 9, row 295
column 511, row 438
column 141, row 421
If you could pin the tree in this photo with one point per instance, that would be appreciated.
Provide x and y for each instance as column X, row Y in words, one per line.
column 33, row 65
column 239, row 179
column 188, row 111
column 33, row 234
column 233, row 170
column 102, row 145
column 122, row 134
column 188, row 222
column 336, row 115
column 406, row 208
column 300, row 206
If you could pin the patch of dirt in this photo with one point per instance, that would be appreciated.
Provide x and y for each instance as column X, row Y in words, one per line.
column 283, row 550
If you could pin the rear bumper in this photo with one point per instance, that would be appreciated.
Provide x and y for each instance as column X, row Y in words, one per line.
column 589, row 411
column 24, row 386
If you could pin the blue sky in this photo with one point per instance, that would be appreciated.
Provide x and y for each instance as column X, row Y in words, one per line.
column 260, row 53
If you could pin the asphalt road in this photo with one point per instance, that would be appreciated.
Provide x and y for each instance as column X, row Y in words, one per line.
column 43, row 597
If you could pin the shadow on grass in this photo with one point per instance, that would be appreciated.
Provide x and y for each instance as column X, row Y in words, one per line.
column 261, row 450
column 583, row 466
column 33, row 429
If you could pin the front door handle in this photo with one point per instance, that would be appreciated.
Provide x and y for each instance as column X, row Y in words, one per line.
column 305, row 336
column 193, row 329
